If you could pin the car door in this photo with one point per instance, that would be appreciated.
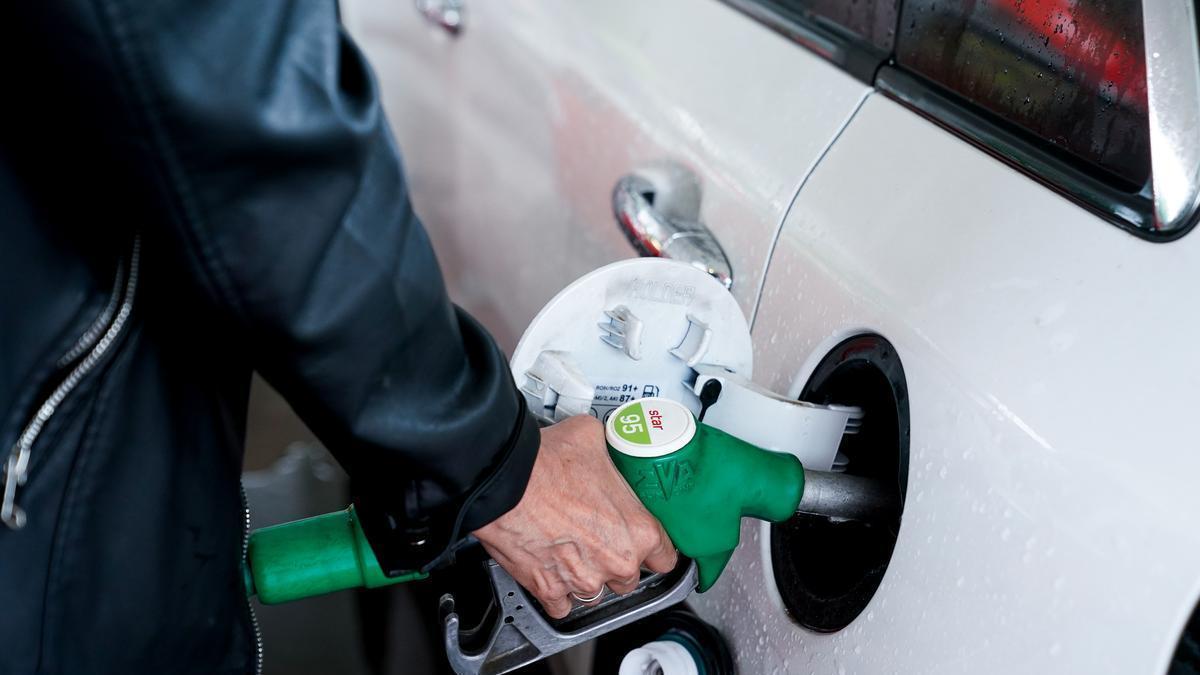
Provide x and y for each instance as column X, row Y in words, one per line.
column 1000, row 212
column 518, row 128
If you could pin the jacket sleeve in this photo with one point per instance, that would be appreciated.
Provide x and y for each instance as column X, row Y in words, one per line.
column 257, row 127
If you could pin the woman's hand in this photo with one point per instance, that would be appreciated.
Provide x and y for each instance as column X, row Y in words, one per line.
column 579, row 526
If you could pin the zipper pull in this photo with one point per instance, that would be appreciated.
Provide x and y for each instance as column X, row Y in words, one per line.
column 12, row 515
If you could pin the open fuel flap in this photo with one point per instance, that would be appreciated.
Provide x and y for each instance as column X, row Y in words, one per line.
column 656, row 327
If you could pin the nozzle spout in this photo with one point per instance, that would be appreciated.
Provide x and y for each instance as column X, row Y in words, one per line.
column 846, row 497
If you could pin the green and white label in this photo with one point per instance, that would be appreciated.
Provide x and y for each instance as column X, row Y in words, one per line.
column 650, row 427
column 632, row 425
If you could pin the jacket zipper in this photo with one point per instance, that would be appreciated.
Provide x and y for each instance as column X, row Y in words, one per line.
column 258, row 639
column 94, row 331
column 95, row 342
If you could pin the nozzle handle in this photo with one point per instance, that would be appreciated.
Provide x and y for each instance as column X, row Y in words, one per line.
column 698, row 480
column 313, row 556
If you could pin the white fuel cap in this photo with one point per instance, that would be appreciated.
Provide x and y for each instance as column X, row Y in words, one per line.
column 629, row 330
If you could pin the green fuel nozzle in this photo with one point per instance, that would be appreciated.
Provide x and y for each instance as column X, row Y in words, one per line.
column 313, row 556
column 698, row 480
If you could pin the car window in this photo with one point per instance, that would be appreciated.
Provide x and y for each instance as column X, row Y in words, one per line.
column 870, row 21
column 1071, row 72
column 1062, row 90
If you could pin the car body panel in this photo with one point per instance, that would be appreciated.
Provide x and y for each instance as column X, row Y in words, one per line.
column 534, row 112
column 1050, row 356
column 1052, row 383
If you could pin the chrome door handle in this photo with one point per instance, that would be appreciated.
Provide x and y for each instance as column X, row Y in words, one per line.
column 658, row 210
column 447, row 14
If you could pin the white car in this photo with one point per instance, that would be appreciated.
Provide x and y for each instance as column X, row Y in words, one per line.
column 987, row 202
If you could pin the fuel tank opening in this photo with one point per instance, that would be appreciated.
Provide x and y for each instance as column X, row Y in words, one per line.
column 828, row 569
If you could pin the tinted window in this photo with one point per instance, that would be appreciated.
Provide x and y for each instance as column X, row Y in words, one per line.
column 1070, row 71
column 869, row 21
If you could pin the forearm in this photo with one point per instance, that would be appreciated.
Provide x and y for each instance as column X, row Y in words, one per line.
column 253, row 136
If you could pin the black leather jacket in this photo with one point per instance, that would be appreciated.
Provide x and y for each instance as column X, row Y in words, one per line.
column 190, row 191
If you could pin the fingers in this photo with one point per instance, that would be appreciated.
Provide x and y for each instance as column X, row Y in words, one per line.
column 543, row 582
column 655, row 547
column 654, row 551
column 551, row 592
column 623, row 586
column 585, row 579
column 556, row 608
column 662, row 559
column 553, row 584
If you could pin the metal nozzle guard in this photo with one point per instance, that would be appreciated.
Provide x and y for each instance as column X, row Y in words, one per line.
column 519, row 634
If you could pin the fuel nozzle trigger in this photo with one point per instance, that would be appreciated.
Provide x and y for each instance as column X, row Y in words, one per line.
column 515, row 632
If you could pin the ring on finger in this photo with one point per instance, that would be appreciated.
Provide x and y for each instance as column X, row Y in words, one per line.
column 591, row 599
